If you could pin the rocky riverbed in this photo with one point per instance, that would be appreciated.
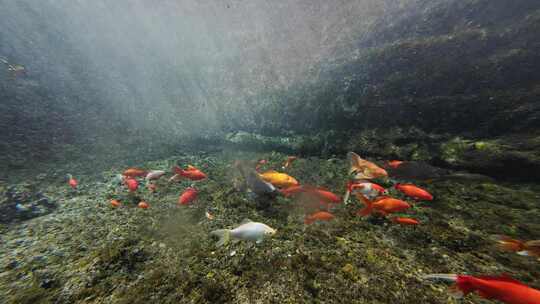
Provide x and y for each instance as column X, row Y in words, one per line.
column 86, row 251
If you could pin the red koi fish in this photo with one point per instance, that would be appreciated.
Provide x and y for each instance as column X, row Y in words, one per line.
column 501, row 288
column 191, row 173
column 414, row 192
column 320, row 193
column 189, row 195
column 394, row 163
column 132, row 184
column 72, row 182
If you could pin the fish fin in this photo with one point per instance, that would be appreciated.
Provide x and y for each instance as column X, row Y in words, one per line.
column 346, row 197
column 177, row 170
column 524, row 253
column 353, row 159
column 190, row 167
column 245, row 221
column 224, row 236
column 441, row 276
column 455, row 292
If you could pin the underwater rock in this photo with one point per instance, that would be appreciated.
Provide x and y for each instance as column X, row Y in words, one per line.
column 510, row 157
column 21, row 204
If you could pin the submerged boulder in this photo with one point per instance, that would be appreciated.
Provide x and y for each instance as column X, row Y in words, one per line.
column 21, row 202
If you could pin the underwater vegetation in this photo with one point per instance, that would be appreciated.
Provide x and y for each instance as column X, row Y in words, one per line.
column 89, row 251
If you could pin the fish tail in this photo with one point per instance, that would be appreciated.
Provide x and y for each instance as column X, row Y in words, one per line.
column 224, row 236
column 441, row 276
column 178, row 170
column 369, row 206
column 308, row 220
column 507, row 243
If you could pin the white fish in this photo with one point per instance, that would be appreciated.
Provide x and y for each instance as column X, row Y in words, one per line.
column 248, row 230
column 154, row 174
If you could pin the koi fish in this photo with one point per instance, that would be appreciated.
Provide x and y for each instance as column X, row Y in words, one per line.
column 132, row 184
column 72, row 182
column 280, row 180
column 248, row 230
column 318, row 216
column 191, row 173
column 383, row 205
column 394, row 163
column 292, row 190
column 367, row 189
column 153, row 175
column 501, row 288
column 530, row 248
column 253, row 181
column 134, row 172
column 364, row 169
column 414, row 192
column 143, row 205
column 189, row 195
column 405, row 221
column 115, row 203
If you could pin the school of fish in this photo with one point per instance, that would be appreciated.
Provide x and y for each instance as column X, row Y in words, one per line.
column 318, row 202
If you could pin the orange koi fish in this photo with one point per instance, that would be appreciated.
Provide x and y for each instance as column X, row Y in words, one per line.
column 189, row 195
column 383, row 205
column 134, row 172
column 501, row 288
column 414, row 192
column 405, row 221
column 280, row 180
column 115, row 203
column 143, row 205
column 191, row 173
column 364, row 169
column 318, row 216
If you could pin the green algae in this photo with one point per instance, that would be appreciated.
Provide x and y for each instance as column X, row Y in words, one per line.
column 165, row 255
